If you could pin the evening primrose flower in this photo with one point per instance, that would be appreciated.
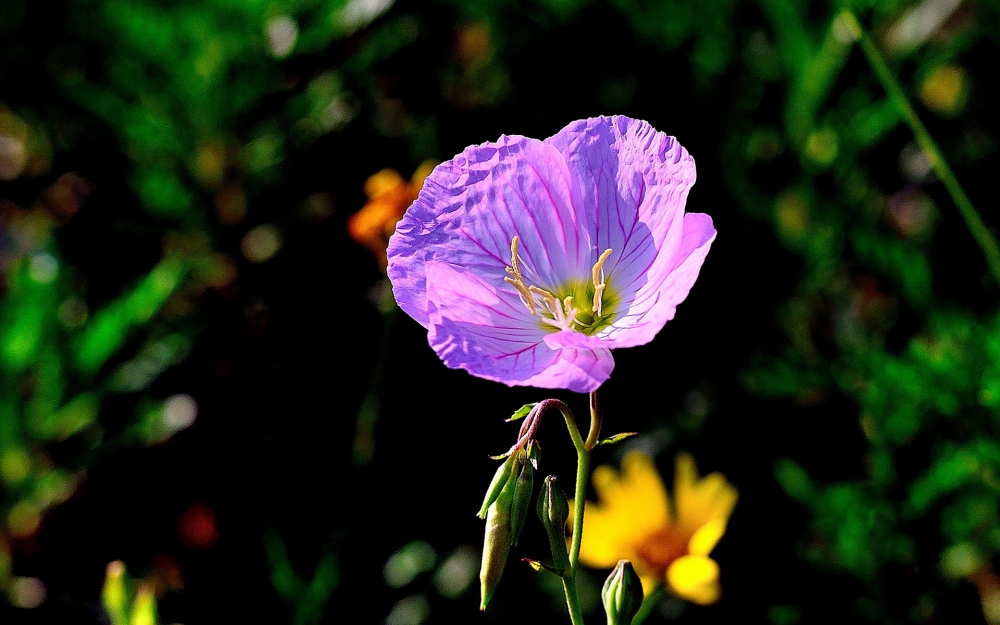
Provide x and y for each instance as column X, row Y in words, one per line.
column 667, row 539
column 528, row 261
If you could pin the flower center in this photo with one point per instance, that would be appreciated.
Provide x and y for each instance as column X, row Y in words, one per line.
column 658, row 550
column 560, row 311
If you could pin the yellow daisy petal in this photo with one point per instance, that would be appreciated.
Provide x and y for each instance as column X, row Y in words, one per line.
column 635, row 495
column 698, row 501
column 649, row 583
column 606, row 540
column 695, row 578
column 707, row 536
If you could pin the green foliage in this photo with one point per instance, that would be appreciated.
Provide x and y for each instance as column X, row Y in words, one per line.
column 925, row 402
column 306, row 600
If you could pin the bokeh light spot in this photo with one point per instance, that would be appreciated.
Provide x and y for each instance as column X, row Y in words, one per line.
column 260, row 244
column 23, row 519
column 945, row 90
column 197, row 527
column 13, row 157
column 358, row 13
column 456, row 573
column 411, row 560
column 961, row 560
column 282, row 32
column 27, row 592
column 822, row 146
column 409, row 611
column 15, row 465
column 179, row 411
column 43, row 268
column 792, row 214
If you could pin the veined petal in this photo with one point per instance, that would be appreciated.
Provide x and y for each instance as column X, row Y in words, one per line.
column 471, row 207
column 668, row 282
column 578, row 370
column 488, row 332
column 630, row 176
column 575, row 340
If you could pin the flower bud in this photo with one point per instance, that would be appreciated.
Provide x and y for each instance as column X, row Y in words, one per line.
column 553, row 509
column 622, row 594
column 499, row 481
column 144, row 607
column 523, row 485
column 497, row 544
column 114, row 595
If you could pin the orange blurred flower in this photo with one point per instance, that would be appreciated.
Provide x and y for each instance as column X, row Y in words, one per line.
column 667, row 540
column 389, row 195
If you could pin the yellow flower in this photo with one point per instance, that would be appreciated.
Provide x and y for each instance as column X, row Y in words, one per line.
column 389, row 195
column 667, row 540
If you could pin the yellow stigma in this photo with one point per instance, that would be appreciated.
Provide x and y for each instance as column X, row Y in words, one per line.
column 599, row 283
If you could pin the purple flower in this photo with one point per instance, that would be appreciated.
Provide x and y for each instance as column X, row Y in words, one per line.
column 528, row 261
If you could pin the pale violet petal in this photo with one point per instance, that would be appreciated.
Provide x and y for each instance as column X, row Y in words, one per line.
column 473, row 327
column 471, row 207
column 634, row 182
column 670, row 280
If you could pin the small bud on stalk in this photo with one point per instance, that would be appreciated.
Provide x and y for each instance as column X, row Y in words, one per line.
column 498, row 483
column 622, row 594
column 505, row 507
column 523, row 486
column 553, row 510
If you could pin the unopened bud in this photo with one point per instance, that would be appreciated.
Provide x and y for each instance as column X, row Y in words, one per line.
column 622, row 594
column 497, row 543
column 114, row 595
column 553, row 509
column 523, row 486
column 144, row 607
column 499, row 481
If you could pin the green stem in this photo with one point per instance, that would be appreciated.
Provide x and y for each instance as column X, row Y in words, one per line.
column 583, row 449
column 648, row 603
column 974, row 223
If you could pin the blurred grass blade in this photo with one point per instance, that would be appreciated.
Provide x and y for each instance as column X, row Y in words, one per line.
column 103, row 336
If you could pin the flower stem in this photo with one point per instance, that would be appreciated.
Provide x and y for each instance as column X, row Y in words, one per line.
column 583, row 449
column 648, row 603
column 974, row 223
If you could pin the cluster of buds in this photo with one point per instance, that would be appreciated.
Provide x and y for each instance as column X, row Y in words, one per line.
column 505, row 510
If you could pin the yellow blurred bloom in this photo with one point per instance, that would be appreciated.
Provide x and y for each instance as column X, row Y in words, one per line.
column 389, row 195
column 667, row 539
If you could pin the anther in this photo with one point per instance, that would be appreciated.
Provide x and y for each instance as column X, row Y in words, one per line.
column 518, row 280
column 599, row 283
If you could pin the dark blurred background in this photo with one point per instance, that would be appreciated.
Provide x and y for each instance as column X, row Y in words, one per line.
column 201, row 374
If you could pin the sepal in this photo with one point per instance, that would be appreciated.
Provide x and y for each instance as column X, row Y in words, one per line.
column 617, row 438
column 500, row 478
column 622, row 594
column 523, row 485
column 553, row 510
column 540, row 566
column 522, row 412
